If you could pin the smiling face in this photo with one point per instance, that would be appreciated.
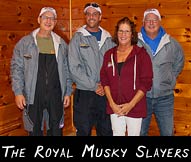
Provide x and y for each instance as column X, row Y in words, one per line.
column 151, row 24
column 124, row 34
column 47, row 21
column 93, row 18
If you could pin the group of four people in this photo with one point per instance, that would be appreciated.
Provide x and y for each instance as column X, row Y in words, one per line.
column 120, row 81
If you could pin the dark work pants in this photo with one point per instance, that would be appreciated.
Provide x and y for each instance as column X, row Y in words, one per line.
column 89, row 111
column 47, row 98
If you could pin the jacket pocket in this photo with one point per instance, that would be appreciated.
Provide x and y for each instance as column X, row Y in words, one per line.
column 166, row 75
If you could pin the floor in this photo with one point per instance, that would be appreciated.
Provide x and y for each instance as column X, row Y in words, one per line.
column 73, row 133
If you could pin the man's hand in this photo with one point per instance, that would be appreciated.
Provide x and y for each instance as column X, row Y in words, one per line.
column 66, row 102
column 100, row 91
column 20, row 101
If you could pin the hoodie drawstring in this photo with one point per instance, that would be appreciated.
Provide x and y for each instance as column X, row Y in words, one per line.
column 135, row 66
column 112, row 63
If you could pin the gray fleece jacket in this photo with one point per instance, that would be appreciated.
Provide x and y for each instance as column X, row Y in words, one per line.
column 24, row 66
column 167, row 65
column 85, row 58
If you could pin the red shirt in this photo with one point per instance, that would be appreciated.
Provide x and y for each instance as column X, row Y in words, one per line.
column 136, row 74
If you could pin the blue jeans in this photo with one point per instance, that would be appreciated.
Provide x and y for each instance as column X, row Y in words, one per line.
column 163, row 109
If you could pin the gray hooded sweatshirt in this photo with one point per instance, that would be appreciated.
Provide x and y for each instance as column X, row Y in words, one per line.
column 85, row 57
column 167, row 65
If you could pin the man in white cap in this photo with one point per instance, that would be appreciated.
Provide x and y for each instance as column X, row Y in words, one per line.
column 40, row 77
column 168, row 61
column 86, row 51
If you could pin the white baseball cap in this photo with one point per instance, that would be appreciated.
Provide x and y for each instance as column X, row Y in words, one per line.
column 92, row 5
column 153, row 11
column 46, row 9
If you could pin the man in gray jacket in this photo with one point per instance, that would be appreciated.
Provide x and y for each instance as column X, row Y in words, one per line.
column 40, row 77
column 86, row 51
column 168, row 61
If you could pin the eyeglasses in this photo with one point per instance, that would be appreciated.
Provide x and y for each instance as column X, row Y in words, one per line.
column 151, row 20
column 46, row 18
column 92, row 4
column 124, row 32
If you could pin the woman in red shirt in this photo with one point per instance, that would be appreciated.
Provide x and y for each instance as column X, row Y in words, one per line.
column 126, row 75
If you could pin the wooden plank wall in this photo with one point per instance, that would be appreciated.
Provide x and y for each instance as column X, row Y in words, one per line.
column 18, row 18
